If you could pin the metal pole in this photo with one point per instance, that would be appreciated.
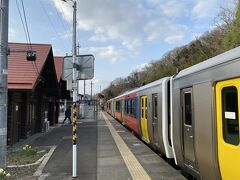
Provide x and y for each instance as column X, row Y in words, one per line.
column 84, row 94
column 84, row 88
column 91, row 89
column 74, row 88
column 3, row 79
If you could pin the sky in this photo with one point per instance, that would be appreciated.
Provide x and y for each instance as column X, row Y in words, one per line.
column 123, row 35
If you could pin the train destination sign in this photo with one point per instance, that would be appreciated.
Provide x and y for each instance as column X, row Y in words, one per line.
column 84, row 65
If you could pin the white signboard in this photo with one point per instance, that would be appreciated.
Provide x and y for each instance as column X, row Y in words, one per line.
column 84, row 65
column 69, row 85
column 230, row 115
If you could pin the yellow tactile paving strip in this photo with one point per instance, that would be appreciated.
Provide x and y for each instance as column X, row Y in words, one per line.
column 135, row 168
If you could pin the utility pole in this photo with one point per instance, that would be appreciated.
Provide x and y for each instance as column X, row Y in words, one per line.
column 74, row 88
column 4, row 6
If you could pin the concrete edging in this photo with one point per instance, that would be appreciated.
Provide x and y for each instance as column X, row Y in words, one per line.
column 40, row 168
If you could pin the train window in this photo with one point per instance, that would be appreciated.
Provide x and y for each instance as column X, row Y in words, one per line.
column 125, row 107
column 188, row 108
column 155, row 105
column 230, row 115
column 142, row 108
column 118, row 106
column 146, row 108
column 134, row 107
column 129, row 106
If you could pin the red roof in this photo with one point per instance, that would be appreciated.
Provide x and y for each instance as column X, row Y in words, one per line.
column 58, row 61
column 22, row 74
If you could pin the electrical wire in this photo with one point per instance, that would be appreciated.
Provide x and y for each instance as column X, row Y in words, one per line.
column 52, row 25
column 63, row 12
column 27, row 34
column 26, row 24
column 61, row 18
column 24, row 28
column 29, row 39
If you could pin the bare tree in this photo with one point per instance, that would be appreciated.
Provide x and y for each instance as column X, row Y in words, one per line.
column 226, row 16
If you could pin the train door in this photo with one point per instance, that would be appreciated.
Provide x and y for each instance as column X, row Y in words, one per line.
column 144, row 123
column 155, row 118
column 188, row 130
column 122, row 111
column 227, row 100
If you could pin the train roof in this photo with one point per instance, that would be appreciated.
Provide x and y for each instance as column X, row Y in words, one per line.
column 214, row 61
column 152, row 84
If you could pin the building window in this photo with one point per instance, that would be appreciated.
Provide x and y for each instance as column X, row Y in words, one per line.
column 230, row 115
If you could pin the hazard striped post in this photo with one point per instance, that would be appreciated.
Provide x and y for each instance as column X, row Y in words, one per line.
column 74, row 124
column 74, row 138
column 75, row 91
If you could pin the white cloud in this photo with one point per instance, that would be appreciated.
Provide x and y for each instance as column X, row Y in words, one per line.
column 109, row 53
column 204, row 8
column 140, row 67
column 173, row 8
column 166, row 31
column 96, row 84
column 154, row 2
column 119, row 20
column 67, row 34
column 123, row 21
column 12, row 34
column 98, row 38
column 196, row 35
column 174, row 39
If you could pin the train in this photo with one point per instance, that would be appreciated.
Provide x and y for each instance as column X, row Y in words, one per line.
column 191, row 117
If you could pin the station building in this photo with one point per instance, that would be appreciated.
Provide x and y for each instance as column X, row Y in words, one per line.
column 34, row 90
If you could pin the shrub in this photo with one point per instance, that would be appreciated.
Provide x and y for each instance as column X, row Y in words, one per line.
column 3, row 174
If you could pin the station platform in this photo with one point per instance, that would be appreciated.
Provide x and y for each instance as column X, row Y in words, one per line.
column 122, row 155
column 106, row 151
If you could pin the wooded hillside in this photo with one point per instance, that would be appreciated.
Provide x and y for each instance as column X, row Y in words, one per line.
column 225, row 36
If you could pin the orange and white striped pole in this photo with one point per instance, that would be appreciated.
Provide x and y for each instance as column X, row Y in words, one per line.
column 75, row 92
column 74, row 138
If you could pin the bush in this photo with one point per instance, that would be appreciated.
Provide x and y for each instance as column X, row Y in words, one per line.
column 3, row 174
column 28, row 151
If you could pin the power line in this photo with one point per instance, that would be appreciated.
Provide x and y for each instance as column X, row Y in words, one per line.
column 63, row 12
column 29, row 39
column 60, row 16
column 26, row 32
column 24, row 28
column 52, row 25
column 24, row 15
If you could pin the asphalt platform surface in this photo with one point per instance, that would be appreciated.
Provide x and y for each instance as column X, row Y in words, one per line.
column 98, row 156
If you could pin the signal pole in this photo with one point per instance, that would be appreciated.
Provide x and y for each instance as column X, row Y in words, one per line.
column 74, row 88
column 4, row 6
